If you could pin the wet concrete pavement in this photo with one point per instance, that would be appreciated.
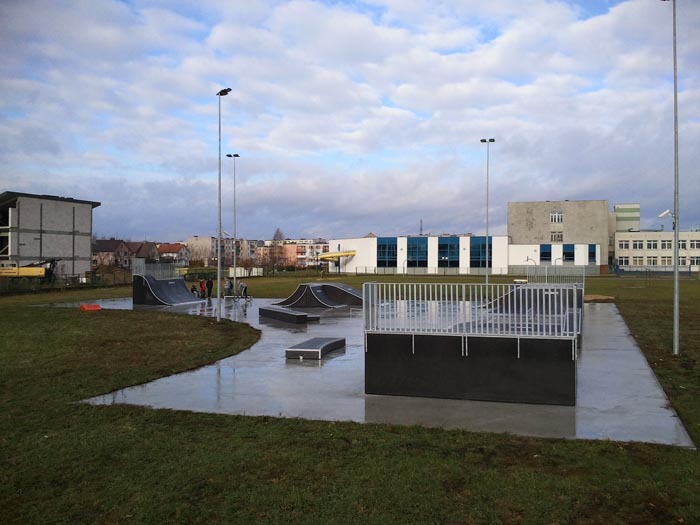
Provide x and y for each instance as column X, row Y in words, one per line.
column 619, row 397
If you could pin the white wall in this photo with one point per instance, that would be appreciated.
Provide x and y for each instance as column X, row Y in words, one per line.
column 557, row 253
column 365, row 253
column 580, row 254
column 499, row 251
column 518, row 254
column 432, row 254
column 464, row 263
column 401, row 254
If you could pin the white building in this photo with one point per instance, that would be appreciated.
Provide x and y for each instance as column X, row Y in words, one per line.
column 451, row 255
column 653, row 250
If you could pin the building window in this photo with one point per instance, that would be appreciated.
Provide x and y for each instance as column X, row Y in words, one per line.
column 695, row 245
column 545, row 253
column 666, row 261
column 652, row 261
column 695, row 261
column 448, row 252
column 591, row 253
column 623, row 261
column 681, row 245
column 637, row 245
column 556, row 217
column 557, row 237
column 386, row 252
column 568, row 253
column 682, row 261
column 638, row 261
column 666, row 245
column 477, row 252
column 652, row 245
column 623, row 245
column 417, row 252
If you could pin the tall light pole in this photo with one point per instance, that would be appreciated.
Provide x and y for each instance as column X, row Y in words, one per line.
column 488, row 143
column 220, row 94
column 234, row 156
column 676, row 216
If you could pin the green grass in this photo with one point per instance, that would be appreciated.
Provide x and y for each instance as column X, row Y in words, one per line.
column 66, row 462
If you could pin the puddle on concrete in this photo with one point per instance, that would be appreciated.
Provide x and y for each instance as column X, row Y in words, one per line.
column 619, row 397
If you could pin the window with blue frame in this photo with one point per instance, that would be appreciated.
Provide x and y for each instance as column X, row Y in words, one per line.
column 545, row 253
column 591, row 253
column 477, row 252
column 568, row 253
column 448, row 252
column 417, row 252
column 386, row 252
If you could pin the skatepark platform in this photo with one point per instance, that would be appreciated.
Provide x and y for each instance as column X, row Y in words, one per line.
column 314, row 348
column 147, row 290
column 323, row 295
column 287, row 315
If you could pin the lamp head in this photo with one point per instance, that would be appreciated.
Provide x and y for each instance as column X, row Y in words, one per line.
column 223, row 92
column 665, row 213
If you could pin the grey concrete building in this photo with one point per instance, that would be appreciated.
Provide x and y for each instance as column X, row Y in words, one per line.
column 35, row 228
column 565, row 223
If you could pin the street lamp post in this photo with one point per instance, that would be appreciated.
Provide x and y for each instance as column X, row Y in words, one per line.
column 676, row 216
column 220, row 94
column 234, row 156
column 488, row 143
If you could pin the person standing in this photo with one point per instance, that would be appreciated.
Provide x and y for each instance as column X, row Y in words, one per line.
column 244, row 289
column 210, row 285
column 227, row 288
column 202, row 289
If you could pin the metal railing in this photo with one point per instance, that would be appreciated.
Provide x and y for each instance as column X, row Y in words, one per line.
column 507, row 310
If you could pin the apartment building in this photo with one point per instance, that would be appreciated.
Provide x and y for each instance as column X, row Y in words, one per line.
column 36, row 228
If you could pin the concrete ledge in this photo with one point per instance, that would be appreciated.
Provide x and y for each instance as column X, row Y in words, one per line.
column 286, row 315
column 315, row 348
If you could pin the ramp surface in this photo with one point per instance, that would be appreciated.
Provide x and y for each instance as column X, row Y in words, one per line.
column 323, row 295
column 314, row 348
column 151, row 291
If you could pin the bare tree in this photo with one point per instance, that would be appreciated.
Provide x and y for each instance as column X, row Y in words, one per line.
column 247, row 263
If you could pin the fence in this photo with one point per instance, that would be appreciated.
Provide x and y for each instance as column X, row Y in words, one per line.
column 557, row 274
column 532, row 310
column 157, row 270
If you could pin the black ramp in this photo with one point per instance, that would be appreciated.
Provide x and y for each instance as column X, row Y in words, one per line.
column 295, row 297
column 323, row 295
column 148, row 290
column 343, row 294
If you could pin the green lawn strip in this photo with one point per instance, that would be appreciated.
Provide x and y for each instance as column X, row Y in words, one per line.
column 62, row 461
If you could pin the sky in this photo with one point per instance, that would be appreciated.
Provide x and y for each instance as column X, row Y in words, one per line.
column 349, row 117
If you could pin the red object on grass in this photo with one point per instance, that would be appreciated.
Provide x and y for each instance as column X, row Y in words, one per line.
column 90, row 307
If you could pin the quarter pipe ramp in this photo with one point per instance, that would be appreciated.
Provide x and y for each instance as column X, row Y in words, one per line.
column 151, row 291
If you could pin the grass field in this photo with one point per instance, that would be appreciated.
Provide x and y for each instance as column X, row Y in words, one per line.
column 65, row 462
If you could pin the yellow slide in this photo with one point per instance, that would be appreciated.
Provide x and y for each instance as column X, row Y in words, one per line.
column 335, row 256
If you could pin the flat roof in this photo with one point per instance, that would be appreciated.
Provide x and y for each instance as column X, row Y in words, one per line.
column 10, row 197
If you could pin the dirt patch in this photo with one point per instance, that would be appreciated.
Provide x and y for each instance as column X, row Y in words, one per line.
column 592, row 298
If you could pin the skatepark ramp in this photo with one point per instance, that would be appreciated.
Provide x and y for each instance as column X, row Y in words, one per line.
column 147, row 290
column 323, row 295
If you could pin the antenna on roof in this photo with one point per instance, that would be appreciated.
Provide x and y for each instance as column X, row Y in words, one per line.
column 421, row 226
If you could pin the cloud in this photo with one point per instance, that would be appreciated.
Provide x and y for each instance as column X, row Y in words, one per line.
column 349, row 117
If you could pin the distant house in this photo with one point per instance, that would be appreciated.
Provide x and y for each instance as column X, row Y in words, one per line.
column 174, row 253
column 110, row 252
column 144, row 250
